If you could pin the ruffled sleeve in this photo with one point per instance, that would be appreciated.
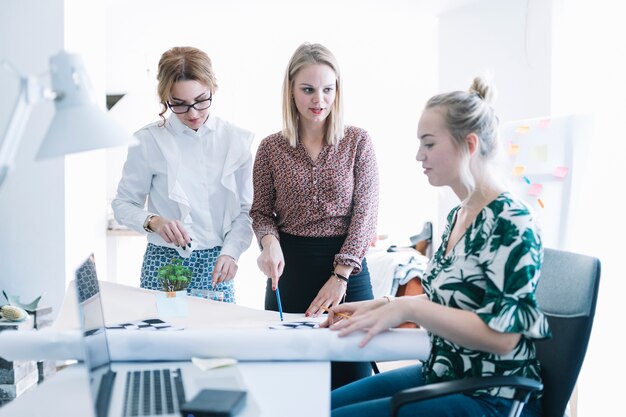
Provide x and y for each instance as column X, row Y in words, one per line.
column 512, row 262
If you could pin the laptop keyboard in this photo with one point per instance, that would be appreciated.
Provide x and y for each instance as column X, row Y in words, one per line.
column 153, row 392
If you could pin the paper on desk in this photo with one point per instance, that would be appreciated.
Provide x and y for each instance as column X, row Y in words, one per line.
column 205, row 364
column 247, row 345
column 122, row 303
column 212, row 330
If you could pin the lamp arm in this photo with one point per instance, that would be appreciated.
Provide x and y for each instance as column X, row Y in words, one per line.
column 30, row 92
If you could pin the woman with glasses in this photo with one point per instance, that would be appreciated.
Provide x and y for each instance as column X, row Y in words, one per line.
column 188, row 183
column 315, row 198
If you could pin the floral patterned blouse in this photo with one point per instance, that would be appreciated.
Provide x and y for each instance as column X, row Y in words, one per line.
column 335, row 195
column 493, row 271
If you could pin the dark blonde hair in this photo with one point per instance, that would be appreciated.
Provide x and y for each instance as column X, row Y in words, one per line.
column 179, row 64
column 470, row 112
column 311, row 54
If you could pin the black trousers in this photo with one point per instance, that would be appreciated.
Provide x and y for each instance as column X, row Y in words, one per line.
column 308, row 265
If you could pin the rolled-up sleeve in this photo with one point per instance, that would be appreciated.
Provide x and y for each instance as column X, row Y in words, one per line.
column 364, row 206
column 262, row 212
column 509, row 305
column 132, row 191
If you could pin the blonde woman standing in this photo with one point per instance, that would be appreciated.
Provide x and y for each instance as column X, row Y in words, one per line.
column 315, row 198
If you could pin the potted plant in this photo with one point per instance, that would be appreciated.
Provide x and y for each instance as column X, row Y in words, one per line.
column 175, row 276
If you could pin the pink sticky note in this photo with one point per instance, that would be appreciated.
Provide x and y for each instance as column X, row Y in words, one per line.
column 561, row 172
column 543, row 123
column 535, row 189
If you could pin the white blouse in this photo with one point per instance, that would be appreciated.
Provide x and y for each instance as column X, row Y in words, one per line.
column 203, row 179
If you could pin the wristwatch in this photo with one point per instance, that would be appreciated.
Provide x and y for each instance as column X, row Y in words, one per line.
column 146, row 223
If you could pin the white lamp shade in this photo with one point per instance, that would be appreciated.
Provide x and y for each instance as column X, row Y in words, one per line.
column 79, row 124
column 79, row 129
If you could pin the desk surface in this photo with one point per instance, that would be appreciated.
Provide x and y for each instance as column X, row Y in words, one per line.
column 280, row 389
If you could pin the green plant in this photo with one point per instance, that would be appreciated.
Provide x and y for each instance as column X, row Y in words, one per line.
column 174, row 276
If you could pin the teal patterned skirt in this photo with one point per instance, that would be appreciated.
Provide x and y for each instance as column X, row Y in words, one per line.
column 201, row 262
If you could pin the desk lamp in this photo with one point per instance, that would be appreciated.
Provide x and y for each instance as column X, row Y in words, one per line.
column 78, row 124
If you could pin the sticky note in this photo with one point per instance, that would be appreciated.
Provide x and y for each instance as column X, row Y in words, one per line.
column 540, row 153
column 518, row 170
column 535, row 189
column 522, row 129
column 211, row 363
column 543, row 123
column 561, row 172
column 513, row 149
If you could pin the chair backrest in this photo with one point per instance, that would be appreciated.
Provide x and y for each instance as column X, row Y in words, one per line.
column 567, row 293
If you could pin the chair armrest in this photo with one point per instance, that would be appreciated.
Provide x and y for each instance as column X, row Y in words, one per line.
column 523, row 386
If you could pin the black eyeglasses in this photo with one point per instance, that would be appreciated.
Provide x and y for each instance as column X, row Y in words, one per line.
column 184, row 108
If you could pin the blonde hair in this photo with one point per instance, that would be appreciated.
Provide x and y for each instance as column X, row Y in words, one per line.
column 470, row 112
column 311, row 54
column 179, row 64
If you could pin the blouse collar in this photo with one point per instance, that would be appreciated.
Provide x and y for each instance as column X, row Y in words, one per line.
column 180, row 128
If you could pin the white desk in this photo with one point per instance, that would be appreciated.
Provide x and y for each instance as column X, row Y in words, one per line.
column 280, row 389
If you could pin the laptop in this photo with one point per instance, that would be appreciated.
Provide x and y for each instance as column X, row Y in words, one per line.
column 135, row 388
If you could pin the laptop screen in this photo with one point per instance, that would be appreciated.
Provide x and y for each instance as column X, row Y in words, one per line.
column 91, row 316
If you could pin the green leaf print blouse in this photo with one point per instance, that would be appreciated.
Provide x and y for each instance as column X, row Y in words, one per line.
column 493, row 271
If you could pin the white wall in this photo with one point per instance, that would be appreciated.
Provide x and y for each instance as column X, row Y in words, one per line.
column 386, row 51
column 49, row 210
column 588, row 77
column 509, row 40
column 32, row 199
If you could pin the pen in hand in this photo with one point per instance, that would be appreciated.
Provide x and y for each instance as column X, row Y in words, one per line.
column 280, row 307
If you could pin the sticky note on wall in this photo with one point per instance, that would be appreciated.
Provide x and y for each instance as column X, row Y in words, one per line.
column 513, row 149
column 518, row 170
column 522, row 129
column 540, row 153
column 544, row 123
column 561, row 172
column 535, row 189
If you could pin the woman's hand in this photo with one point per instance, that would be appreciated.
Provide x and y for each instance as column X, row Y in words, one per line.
column 345, row 310
column 375, row 317
column 172, row 231
column 271, row 261
column 224, row 270
column 330, row 294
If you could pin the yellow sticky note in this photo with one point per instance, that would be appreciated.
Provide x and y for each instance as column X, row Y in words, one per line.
column 518, row 170
column 522, row 129
column 513, row 149
column 540, row 153
column 535, row 189
column 561, row 172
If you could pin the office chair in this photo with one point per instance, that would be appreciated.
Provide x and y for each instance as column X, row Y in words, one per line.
column 567, row 294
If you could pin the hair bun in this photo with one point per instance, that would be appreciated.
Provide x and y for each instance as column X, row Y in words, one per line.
column 483, row 89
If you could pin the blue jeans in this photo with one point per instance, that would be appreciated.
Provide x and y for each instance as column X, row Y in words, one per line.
column 371, row 397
